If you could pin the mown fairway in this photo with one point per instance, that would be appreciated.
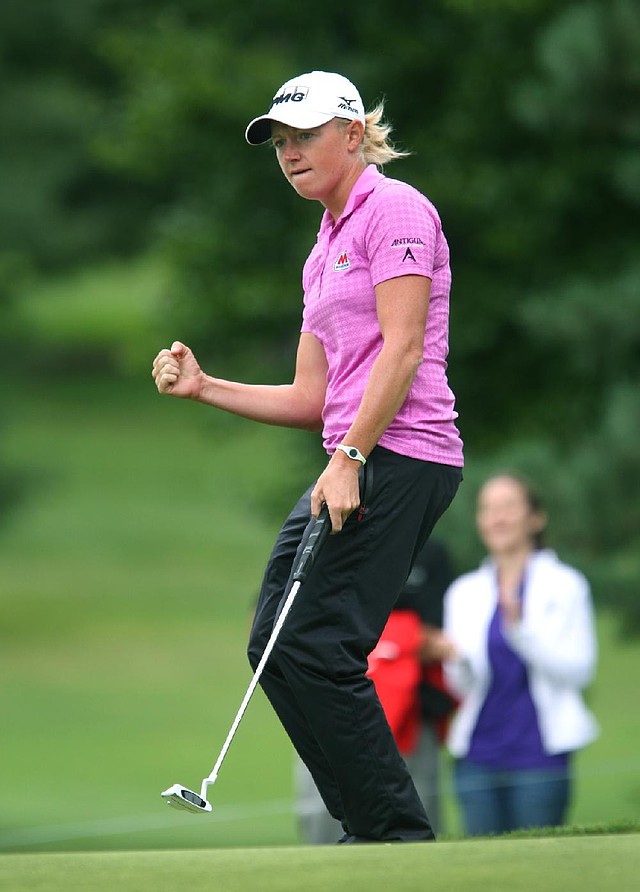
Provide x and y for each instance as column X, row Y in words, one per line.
column 553, row 865
column 128, row 577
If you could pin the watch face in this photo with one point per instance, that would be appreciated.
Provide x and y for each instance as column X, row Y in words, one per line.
column 353, row 453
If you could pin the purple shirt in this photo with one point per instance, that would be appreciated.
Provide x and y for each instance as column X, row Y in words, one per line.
column 507, row 734
column 387, row 229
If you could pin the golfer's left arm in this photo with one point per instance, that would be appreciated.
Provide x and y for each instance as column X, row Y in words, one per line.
column 402, row 306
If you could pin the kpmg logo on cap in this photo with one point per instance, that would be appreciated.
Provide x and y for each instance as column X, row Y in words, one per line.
column 296, row 94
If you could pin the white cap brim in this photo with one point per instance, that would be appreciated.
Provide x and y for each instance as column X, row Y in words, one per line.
column 259, row 130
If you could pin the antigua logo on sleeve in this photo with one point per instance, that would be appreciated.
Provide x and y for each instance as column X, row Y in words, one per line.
column 407, row 244
column 401, row 242
column 342, row 262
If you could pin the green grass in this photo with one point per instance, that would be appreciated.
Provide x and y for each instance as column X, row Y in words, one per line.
column 555, row 865
column 112, row 310
column 128, row 577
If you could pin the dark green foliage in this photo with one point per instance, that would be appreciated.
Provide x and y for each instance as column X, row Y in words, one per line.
column 123, row 124
column 59, row 205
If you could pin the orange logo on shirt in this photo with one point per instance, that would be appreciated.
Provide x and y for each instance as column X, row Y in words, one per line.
column 342, row 262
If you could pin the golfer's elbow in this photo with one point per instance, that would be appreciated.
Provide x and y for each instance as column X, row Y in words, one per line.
column 313, row 423
column 307, row 418
column 413, row 358
column 309, row 411
column 404, row 353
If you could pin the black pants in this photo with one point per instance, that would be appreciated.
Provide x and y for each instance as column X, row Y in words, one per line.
column 315, row 677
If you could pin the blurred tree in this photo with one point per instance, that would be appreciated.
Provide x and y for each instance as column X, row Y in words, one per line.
column 591, row 493
column 58, row 205
column 582, row 107
column 123, row 126
column 193, row 77
column 523, row 122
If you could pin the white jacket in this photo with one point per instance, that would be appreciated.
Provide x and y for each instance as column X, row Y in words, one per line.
column 555, row 638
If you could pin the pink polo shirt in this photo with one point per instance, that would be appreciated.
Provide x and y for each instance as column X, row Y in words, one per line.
column 387, row 229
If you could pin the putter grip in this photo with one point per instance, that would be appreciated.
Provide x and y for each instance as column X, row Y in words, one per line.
column 316, row 540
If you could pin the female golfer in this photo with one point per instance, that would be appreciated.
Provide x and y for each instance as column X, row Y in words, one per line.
column 523, row 647
column 371, row 374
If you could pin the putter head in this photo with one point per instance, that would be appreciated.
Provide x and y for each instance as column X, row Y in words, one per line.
column 178, row 796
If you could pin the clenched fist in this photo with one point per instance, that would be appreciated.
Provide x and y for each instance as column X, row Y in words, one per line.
column 176, row 372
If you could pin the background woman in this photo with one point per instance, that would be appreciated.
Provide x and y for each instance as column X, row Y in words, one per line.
column 523, row 647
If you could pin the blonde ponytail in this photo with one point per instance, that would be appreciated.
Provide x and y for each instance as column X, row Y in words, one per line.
column 376, row 147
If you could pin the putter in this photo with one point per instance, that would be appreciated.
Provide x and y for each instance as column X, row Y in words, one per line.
column 182, row 797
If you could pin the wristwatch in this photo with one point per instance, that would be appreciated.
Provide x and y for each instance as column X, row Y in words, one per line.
column 352, row 452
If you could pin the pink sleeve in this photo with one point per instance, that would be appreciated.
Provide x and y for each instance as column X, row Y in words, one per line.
column 401, row 235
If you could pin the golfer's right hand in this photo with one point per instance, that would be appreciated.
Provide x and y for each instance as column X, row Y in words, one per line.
column 176, row 372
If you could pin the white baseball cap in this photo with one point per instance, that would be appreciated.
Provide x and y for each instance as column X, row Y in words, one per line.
column 306, row 101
